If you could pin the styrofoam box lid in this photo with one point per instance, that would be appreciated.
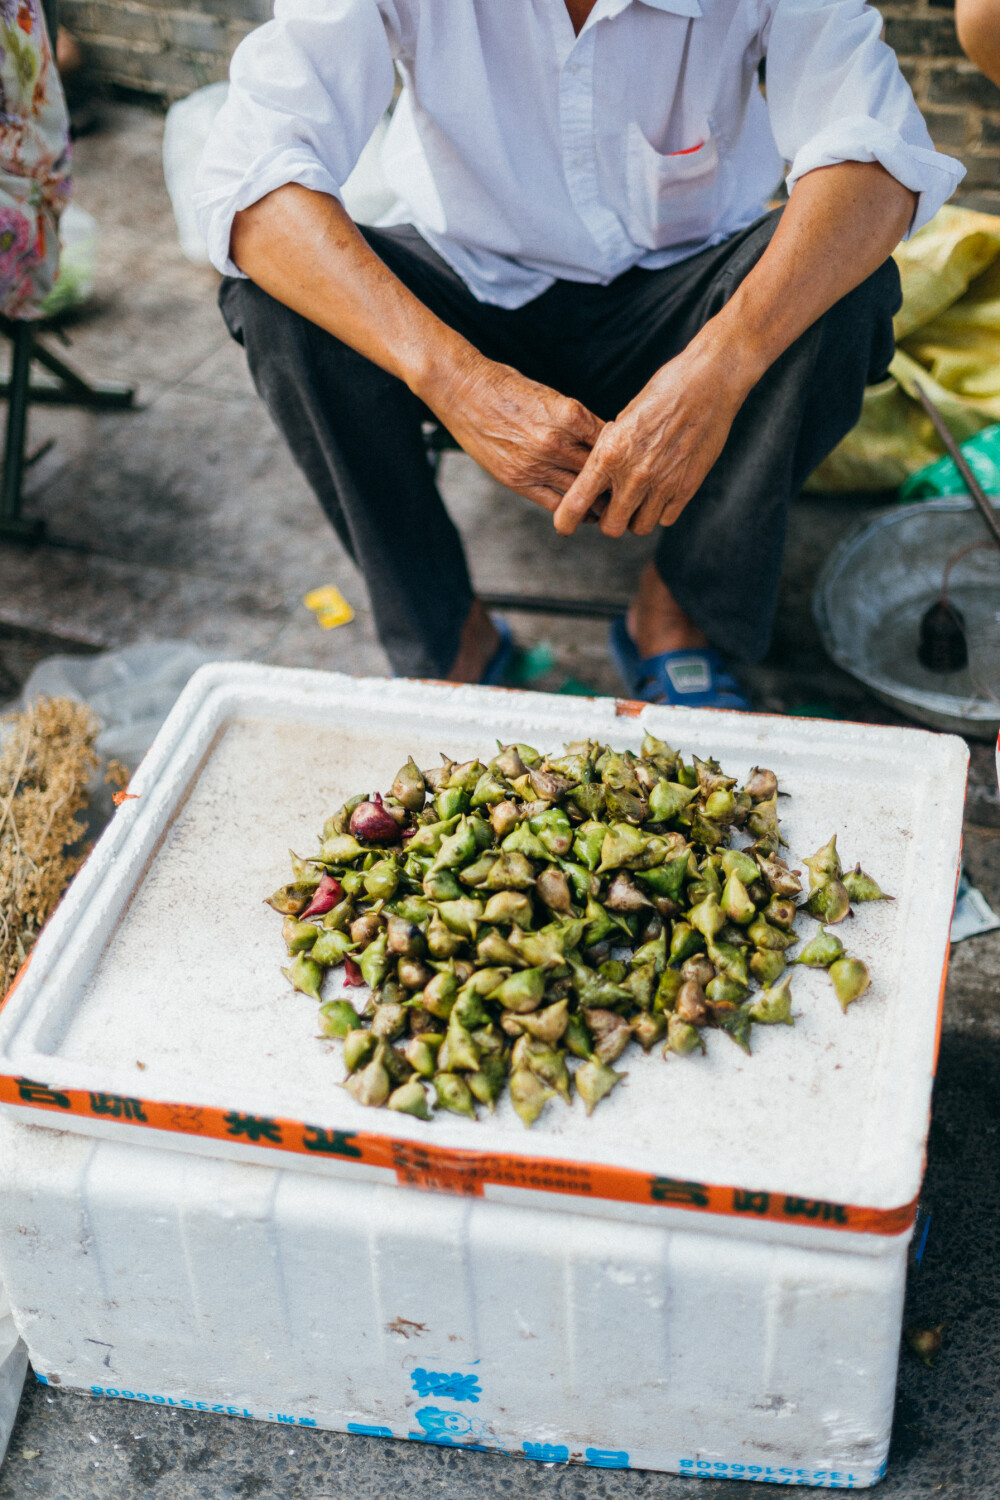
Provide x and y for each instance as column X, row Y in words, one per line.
column 158, row 981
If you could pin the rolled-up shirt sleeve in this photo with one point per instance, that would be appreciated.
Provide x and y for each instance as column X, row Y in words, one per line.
column 835, row 93
column 306, row 91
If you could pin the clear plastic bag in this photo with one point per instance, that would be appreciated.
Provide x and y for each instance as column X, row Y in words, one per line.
column 185, row 132
column 77, row 262
column 131, row 690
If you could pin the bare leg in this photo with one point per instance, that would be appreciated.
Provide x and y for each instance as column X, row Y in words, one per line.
column 656, row 621
column 478, row 646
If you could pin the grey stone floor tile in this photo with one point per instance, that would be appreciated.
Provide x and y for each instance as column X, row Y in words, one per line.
column 974, row 976
column 152, row 315
column 222, row 375
column 57, row 436
column 104, row 602
column 350, row 648
column 62, row 436
column 125, row 148
column 982, row 798
column 194, row 485
column 152, row 335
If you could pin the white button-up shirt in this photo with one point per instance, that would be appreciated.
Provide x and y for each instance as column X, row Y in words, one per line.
column 526, row 154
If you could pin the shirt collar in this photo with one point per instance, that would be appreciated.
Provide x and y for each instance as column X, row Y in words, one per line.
column 675, row 7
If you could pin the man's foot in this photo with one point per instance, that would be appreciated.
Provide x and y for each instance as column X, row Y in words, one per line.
column 693, row 678
column 662, row 656
column 485, row 650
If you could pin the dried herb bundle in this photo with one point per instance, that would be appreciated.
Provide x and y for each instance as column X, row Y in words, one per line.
column 46, row 761
column 519, row 923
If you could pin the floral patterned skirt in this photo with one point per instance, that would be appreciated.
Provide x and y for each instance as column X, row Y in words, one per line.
column 34, row 159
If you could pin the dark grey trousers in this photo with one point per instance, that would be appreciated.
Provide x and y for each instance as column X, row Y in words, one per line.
column 356, row 431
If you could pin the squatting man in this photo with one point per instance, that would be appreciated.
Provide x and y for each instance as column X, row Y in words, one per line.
column 580, row 282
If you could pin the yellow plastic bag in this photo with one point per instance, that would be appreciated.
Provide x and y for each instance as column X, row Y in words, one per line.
column 948, row 337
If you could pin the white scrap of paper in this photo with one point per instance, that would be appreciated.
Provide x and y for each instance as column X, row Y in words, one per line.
column 973, row 914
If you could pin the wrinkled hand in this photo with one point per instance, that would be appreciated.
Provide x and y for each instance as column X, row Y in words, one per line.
column 529, row 437
column 646, row 465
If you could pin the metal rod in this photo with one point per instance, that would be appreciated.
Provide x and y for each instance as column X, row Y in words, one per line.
column 50, row 10
column 74, row 390
column 17, row 421
column 82, row 392
column 958, row 458
column 110, row 394
column 40, row 452
column 75, row 383
column 538, row 604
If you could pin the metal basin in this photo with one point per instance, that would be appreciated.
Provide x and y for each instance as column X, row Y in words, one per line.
column 873, row 591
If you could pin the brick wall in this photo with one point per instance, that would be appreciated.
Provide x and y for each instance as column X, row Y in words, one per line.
column 161, row 47
column 961, row 107
column 167, row 48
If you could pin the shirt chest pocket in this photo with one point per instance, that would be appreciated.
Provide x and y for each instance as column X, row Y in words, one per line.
column 672, row 198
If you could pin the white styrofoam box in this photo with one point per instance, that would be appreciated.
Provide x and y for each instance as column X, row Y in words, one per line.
column 154, row 1013
column 160, row 975
column 310, row 1300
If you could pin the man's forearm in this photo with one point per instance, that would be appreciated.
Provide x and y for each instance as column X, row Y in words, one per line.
column 304, row 250
column 839, row 225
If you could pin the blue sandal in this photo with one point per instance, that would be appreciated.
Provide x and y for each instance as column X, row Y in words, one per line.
column 503, row 658
column 697, row 678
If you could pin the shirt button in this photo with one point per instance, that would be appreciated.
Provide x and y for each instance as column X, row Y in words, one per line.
column 572, row 69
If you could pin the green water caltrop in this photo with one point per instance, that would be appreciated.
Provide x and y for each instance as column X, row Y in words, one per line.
column 823, row 950
column 861, row 887
column 850, row 979
column 829, row 903
column 515, row 923
column 337, row 1018
column 824, row 865
column 773, row 1006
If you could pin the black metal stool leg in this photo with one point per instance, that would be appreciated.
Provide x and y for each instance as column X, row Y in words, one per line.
column 73, row 390
column 20, row 392
column 12, row 525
